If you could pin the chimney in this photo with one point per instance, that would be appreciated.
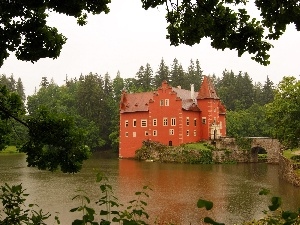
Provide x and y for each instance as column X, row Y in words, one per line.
column 192, row 91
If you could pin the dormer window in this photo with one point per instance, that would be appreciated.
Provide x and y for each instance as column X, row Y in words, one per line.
column 166, row 102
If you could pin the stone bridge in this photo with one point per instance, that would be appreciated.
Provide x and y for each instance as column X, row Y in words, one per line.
column 258, row 145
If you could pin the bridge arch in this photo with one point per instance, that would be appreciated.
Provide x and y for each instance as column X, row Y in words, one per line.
column 270, row 145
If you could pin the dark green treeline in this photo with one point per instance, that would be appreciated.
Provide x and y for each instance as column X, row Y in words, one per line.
column 93, row 99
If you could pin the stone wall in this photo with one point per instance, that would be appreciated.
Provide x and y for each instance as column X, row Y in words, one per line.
column 226, row 156
column 272, row 147
column 287, row 171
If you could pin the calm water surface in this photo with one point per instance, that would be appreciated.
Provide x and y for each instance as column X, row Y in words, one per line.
column 176, row 188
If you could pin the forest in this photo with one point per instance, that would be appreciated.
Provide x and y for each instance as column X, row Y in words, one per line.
column 84, row 111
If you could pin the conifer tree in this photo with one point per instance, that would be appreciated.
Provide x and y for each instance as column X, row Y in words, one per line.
column 162, row 74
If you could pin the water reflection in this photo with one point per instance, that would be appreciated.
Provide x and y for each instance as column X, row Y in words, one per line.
column 176, row 187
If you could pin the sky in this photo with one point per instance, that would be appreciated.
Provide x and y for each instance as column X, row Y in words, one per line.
column 129, row 37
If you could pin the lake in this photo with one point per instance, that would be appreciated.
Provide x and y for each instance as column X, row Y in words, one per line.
column 176, row 188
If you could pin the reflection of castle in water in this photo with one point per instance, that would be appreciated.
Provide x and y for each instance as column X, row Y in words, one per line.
column 176, row 189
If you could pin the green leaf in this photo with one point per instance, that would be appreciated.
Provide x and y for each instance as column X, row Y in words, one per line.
column 99, row 177
column 144, row 203
column 211, row 221
column 74, row 209
column 104, row 212
column 264, row 191
column 203, row 203
column 276, row 203
column 288, row 215
column 77, row 222
column 90, row 211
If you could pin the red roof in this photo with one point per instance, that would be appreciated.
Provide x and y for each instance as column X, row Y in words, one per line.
column 139, row 102
column 134, row 102
column 207, row 90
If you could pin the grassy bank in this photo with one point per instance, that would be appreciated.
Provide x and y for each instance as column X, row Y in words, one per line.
column 10, row 150
column 194, row 153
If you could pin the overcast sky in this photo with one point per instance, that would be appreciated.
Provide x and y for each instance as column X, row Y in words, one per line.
column 129, row 37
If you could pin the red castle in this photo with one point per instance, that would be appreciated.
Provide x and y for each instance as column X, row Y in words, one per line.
column 171, row 116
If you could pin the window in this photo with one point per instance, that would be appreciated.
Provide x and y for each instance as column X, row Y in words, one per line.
column 203, row 120
column 146, row 133
column 154, row 122
column 126, row 134
column 161, row 102
column 173, row 121
column 134, row 123
column 187, row 121
column 154, row 132
column 133, row 134
column 165, row 121
column 171, row 131
column 143, row 123
column 195, row 133
column 126, row 123
column 195, row 122
column 187, row 133
column 166, row 102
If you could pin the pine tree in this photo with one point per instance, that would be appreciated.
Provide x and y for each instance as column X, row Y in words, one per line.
column 162, row 74
column 177, row 76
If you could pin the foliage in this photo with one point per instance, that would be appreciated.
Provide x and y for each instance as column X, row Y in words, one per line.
column 11, row 107
column 151, row 150
column 284, row 112
column 25, row 31
column 250, row 122
column 144, row 78
column 228, row 24
column 199, row 146
column 134, row 213
column 10, row 149
column 274, row 215
column 14, row 209
column 288, row 153
column 162, row 74
column 244, row 143
column 24, row 28
column 55, row 142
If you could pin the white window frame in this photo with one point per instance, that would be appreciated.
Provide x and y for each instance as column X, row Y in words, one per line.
column 195, row 133
column 188, row 121
column 161, row 102
column 154, row 132
column 126, row 123
column 133, row 134
column 126, row 134
column 203, row 120
column 167, row 102
column 146, row 133
column 187, row 132
column 195, row 122
column 134, row 122
column 173, row 121
column 154, row 122
column 165, row 121
column 143, row 123
column 171, row 131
